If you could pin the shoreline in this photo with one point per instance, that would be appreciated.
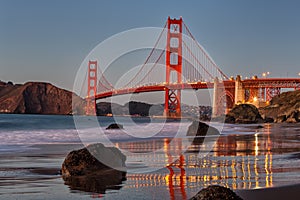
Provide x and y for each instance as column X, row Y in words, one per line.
column 239, row 161
column 290, row 192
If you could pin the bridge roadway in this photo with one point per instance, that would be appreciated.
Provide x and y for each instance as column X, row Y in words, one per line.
column 228, row 84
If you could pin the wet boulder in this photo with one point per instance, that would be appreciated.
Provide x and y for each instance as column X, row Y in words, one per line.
column 94, row 168
column 244, row 114
column 216, row 192
column 92, row 160
column 199, row 130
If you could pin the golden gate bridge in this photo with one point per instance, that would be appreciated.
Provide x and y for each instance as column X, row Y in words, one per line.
column 184, row 64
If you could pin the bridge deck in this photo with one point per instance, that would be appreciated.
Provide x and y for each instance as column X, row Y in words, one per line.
column 247, row 83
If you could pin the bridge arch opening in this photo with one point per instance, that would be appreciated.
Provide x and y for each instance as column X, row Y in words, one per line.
column 225, row 102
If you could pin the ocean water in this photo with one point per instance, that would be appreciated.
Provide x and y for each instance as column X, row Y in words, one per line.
column 162, row 161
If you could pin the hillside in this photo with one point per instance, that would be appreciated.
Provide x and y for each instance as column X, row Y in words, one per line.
column 38, row 98
column 130, row 108
column 146, row 109
column 45, row 98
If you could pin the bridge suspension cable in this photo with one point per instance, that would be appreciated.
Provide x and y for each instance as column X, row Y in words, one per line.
column 151, row 59
column 208, row 60
column 197, row 65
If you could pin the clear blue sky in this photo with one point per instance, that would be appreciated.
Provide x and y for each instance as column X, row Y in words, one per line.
column 48, row 40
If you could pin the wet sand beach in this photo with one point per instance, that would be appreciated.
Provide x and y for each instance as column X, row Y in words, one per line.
column 283, row 192
column 259, row 165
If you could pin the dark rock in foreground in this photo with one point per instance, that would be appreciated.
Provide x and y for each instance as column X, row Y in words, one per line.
column 115, row 126
column 216, row 192
column 199, row 130
column 244, row 114
column 94, row 168
column 92, row 160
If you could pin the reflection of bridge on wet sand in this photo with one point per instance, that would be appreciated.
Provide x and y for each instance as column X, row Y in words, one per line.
column 238, row 162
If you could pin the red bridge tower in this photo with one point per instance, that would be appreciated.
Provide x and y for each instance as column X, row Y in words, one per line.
column 92, row 88
column 173, row 67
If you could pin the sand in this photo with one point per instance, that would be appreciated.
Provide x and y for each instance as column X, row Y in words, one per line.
column 289, row 192
column 34, row 174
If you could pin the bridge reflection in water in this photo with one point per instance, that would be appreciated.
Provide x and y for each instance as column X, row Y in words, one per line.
column 237, row 161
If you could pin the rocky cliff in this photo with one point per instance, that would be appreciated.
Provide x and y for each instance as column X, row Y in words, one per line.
column 38, row 98
column 284, row 107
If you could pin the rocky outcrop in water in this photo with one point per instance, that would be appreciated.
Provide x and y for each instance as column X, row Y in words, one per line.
column 93, row 160
column 38, row 98
column 94, row 168
column 115, row 126
column 244, row 114
column 199, row 130
column 216, row 192
column 283, row 108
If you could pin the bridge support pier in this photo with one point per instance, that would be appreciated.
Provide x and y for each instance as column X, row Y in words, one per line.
column 239, row 96
column 215, row 98
column 222, row 99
